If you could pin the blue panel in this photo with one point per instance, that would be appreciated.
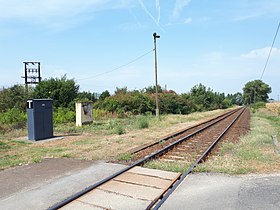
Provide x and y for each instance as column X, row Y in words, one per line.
column 40, row 122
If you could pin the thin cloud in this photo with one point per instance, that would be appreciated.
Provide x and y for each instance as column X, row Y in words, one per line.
column 158, row 9
column 188, row 20
column 261, row 53
column 149, row 14
column 179, row 6
column 14, row 9
column 56, row 13
column 183, row 22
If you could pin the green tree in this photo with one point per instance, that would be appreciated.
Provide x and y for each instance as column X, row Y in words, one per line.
column 152, row 89
column 256, row 91
column 122, row 90
column 13, row 97
column 236, row 98
column 201, row 97
column 104, row 95
column 63, row 91
column 86, row 96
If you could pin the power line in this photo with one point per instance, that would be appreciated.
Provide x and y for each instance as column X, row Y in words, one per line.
column 270, row 51
column 119, row 67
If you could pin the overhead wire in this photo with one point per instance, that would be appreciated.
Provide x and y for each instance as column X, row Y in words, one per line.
column 270, row 51
column 119, row 67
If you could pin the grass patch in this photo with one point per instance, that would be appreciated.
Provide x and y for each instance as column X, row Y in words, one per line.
column 142, row 122
column 84, row 142
column 167, row 166
column 246, row 153
column 68, row 155
column 10, row 160
column 106, row 139
column 124, row 157
column 254, row 152
column 4, row 146
column 119, row 130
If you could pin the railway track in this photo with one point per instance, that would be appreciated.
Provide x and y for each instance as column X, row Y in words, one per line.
column 140, row 188
column 142, row 151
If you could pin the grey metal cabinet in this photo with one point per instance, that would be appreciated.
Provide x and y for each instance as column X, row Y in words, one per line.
column 40, row 120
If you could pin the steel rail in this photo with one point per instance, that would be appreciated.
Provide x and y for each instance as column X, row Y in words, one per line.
column 181, row 132
column 171, row 190
column 137, row 163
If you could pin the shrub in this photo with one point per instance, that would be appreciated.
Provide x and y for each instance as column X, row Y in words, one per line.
column 142, row 122
column 119, row 130
column 124, row 157
column 64, row 115
column 13, row 97
column 13, row 116
column 258, row 105
column 99, row 114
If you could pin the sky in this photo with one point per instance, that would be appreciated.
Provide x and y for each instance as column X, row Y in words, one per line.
column 104, row 44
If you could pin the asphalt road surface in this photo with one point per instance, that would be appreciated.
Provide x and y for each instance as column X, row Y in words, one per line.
column 40, row 185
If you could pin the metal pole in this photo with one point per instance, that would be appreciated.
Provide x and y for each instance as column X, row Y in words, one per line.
column 39, row 72
column 155, row 49
column 25, row 77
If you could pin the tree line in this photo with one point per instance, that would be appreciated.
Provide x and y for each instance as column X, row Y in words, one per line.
column 65, row 92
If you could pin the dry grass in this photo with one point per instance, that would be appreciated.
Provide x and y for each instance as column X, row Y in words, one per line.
column 254, row 153
column 274, row 107
column 98, row 141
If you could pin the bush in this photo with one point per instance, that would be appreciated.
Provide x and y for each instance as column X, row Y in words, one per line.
column 99, row 114
column 13, row 97
column 119, row 130
column 12, row 119
column 258, row 105
column 64, row 115
column 13, row 116
column 143, row 122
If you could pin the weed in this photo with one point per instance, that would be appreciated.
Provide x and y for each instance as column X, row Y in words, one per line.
column 13, row 116
column 84, row 142
column 67, row 155
column 10, row 160
column 142, row 122
column 37, row 159
column 20, row 143
column 69, row 128
column 4, row 146
column 250, row 154
column 119, row 130
column 119, row 141
column 64, row 115
column 124, row 157
column 227, row 148
column 12, row 119
column 167, row 166
column 112, row 124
